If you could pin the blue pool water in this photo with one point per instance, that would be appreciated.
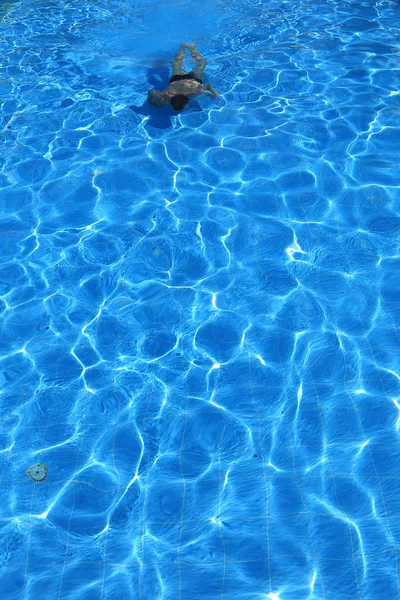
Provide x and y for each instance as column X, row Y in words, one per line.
column 200, row 311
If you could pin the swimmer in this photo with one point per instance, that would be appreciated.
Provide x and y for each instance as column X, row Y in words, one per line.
column 183, row 86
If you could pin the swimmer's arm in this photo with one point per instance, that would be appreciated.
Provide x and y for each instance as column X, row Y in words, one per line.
column 157, row 98
column 209, row 88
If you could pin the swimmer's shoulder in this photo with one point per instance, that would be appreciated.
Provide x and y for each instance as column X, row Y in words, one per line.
column 157, row 98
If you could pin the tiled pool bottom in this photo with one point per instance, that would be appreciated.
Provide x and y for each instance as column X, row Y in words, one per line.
column 199, row 311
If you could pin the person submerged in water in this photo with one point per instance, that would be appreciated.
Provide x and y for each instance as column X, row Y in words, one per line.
column 183, row 86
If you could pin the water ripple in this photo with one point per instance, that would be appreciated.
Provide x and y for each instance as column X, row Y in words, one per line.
column 199, row 312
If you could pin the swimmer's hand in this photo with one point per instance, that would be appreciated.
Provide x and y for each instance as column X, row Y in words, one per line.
column 209, row 88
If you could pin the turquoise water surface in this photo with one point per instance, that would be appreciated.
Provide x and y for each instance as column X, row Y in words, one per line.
column 200, row 310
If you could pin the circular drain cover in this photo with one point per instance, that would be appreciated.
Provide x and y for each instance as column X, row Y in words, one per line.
column 37, row 472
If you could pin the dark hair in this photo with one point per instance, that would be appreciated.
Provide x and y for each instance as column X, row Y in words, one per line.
column 178, row 101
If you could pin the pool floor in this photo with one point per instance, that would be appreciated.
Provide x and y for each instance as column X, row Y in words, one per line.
column 200, row 376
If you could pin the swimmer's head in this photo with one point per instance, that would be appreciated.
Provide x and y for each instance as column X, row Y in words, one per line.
column 179, row 101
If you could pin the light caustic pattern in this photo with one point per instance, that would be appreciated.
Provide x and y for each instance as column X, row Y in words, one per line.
column 199, row 312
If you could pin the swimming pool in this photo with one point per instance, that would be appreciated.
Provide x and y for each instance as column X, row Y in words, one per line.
column 200, row 310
